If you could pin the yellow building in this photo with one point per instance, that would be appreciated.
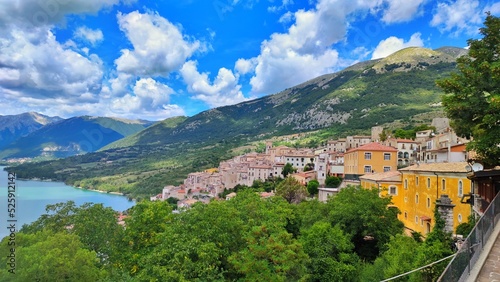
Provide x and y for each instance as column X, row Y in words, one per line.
column 423, row 184
column 415, row 189
column 388, row 183
column 369, row 158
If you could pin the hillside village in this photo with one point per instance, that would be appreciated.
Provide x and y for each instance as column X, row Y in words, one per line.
column 415, row 173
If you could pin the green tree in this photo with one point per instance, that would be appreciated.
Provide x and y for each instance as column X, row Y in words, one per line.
column 330, row 252
column 436, row 246
column 397, row 259
column 98, row 229
column 312, row 187
column 366, row 217
column 291, row 190
column 466, row 227
column 272, row 255
column 147, row 221
column 48, row 256
column 57, row 218
column 332, row 181
column 472, row 99
column 288, row 169
column 383, row 136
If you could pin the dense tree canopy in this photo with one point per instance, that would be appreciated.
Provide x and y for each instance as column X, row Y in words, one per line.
column 247, row 238
column 472, row 99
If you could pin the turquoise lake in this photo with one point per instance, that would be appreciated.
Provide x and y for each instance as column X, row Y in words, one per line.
column 33, row 196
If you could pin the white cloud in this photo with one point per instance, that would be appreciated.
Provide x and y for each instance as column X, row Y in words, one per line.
column 360, row 53
column 460, row 16
column 393, row 44
column 286, row 17
column 41, row 67
column 224, row 90
column 305, row 50
column 402, row 10
column 243, row 66
column 93, row 36
column 150, row 99
column 159, row 46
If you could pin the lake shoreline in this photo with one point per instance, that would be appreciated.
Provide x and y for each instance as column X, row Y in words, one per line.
column 100, row 191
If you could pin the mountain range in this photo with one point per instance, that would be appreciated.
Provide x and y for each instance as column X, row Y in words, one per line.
column 32, row 135
column 399, row 89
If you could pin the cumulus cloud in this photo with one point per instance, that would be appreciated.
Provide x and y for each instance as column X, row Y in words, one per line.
column 402, row 10
column 224, row 90
column 305, row 50
column 244, row 66
column 36, row 64
column 393, row 44
column 93, row 36
column 460, row 16
column 159, row 45
column 38, row 72
column 150, row 98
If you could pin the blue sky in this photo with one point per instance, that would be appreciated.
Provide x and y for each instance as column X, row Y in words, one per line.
column 157, row 59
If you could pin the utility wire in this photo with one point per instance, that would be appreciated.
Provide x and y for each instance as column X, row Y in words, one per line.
column 420, row 268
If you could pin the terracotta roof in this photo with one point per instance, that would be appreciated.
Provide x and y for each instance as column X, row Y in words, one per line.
column 373, row 147
column 389, row 175
column 438, row 167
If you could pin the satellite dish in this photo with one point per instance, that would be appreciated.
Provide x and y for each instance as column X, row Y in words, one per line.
column 477, row 167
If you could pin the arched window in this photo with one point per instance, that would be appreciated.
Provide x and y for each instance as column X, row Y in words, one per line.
column 406, row 184
column 460, row 188
column 416, row 199
column 428, row 182
column 427, row 227
column 428, row 202
column 443, row 184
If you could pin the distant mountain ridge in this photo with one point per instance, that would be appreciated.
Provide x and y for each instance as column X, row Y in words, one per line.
column 13, row 127
column 67, row 137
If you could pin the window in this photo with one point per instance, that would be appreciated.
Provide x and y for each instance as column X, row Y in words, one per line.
column 460, row 188
column 459, row 218
column 393, row 190
column 406, row 215
column 428, row 202
column 416, row 219
column 368, row 168
column 387, row 156
column 416, row 180
column 416, row 199
column 387, row 168
column 429, row 145
column 443, row 184
column 427, row 227
column 406, row 199
column 428, row 182
column 406, row 184
column 368, row 156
